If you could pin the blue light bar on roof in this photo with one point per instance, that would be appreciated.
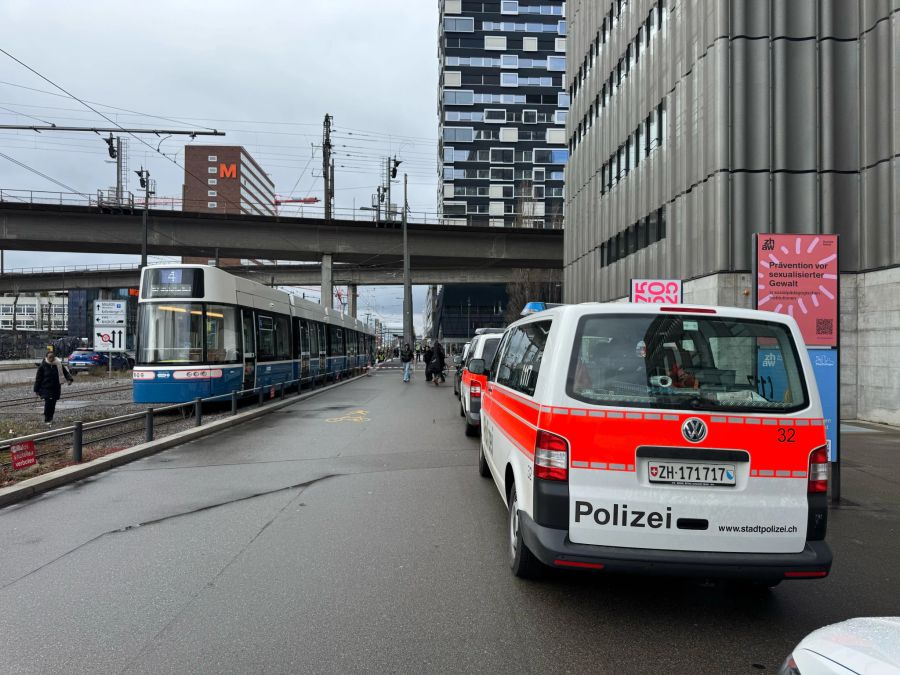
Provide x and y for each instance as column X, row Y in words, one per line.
column 533, row 308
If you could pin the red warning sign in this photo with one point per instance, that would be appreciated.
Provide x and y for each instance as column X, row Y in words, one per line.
column 22, row 455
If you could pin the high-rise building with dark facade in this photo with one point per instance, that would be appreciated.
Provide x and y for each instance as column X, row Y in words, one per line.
column 225, row 179
column 503, row 107
column 695, row 125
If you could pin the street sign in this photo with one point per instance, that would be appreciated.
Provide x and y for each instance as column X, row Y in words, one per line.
column 22, row 455
column 109, row 338
column 657, row 291
column 109, row 312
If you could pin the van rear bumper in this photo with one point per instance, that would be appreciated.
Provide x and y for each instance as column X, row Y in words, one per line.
column 552, row 547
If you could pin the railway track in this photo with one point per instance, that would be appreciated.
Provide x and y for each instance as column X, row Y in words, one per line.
column 25, row 400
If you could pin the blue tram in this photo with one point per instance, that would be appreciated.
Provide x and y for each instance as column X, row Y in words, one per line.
column 203, row 332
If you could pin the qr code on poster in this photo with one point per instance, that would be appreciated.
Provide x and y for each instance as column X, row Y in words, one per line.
column 824, row 326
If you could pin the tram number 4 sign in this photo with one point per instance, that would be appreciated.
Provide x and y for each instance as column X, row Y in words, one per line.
column 22, row 455
column 109, row 338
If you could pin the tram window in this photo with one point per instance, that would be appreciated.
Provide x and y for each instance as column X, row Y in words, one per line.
column 265, row 341
column 337, row 342
column 313, row 339
column 170, row 333
column 282, row 338
column 221, row 334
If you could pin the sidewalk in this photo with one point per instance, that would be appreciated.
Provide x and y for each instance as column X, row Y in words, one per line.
column 870, row 467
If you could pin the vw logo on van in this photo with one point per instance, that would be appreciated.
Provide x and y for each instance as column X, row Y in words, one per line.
column 694, row 430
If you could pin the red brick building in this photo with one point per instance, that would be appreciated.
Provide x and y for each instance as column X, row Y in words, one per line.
column 225, row 179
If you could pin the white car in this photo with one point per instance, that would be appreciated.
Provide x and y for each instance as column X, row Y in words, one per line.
column 869, row 645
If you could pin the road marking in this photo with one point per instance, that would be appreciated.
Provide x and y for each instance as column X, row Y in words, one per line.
column 355, row 416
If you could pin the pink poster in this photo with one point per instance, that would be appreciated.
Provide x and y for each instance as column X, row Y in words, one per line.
column 797, row 274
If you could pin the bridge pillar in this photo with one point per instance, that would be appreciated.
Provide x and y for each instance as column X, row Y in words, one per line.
column 327, row 282
column 352, row 295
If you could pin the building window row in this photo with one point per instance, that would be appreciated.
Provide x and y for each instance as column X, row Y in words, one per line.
column 531, row 27
column 648, row 230
column 654, row 23
column 453, row 155
column 501, row 115
column 494, row 208
column 513, row 7
column 507, row 79
column 536, row 175
column 555, row 63
column 469, row 97
column 516, row 80
column 500, row 43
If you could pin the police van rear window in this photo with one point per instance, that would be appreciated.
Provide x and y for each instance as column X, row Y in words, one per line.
column 697, row 362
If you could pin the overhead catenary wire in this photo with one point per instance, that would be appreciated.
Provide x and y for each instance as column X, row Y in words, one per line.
column 41, row 174
column 108, row 119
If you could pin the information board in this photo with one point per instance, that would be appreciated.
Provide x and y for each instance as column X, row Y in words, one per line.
column 797, row 274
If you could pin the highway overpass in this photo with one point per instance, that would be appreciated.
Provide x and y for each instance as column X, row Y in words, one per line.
column 89, row 229
column 276, row 275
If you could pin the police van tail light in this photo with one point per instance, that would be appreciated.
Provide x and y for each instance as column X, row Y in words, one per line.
column 475, row 391
column 818, row 470
column 551, row 457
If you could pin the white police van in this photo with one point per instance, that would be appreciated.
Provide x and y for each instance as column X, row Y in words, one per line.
column 678, row 440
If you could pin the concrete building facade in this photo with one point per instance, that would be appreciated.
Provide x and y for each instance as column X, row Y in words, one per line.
column 502, row 108
column 695, row 124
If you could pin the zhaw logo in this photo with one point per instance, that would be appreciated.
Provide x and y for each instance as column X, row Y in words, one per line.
column 694, row 430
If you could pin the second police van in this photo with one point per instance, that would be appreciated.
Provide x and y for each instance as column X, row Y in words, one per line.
column 657, row 439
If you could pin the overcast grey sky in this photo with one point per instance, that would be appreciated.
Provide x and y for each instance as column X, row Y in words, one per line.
column 266, row 73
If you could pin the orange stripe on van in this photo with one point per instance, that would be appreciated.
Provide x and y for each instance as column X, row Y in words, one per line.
column 608, row 439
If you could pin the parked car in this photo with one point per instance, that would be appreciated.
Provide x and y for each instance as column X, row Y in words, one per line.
column 82, row 360
column 863, row 645
column 459, row 361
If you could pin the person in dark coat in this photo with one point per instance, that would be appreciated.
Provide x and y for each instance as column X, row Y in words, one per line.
column 426, row 357
column 48, row 383
column 436, row 366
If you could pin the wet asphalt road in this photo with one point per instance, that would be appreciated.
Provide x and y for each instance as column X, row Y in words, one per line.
column 352, row 533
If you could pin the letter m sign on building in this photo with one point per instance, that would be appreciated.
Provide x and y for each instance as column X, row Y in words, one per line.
column 228, row 170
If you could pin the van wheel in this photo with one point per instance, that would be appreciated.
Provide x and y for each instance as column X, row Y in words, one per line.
column 522, row 561
column 483, row 469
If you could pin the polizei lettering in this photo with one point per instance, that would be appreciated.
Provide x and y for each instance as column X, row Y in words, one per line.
column 620, row 516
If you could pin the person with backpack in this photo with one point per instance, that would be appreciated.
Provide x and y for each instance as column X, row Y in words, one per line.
column 406, row 357
column 427, row 355
column 48, row 383
column 436, row 366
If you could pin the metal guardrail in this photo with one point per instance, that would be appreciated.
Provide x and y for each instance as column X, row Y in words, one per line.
column 386, row 218
column 77, row 430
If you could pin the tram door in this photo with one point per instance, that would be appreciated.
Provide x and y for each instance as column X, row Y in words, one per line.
column 249, row 348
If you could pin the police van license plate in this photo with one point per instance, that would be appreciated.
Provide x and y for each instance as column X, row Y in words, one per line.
column 691, row 473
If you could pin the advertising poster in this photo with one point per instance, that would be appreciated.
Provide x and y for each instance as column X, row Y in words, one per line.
column 825, row 366
column 660, row 291
column 797, row 274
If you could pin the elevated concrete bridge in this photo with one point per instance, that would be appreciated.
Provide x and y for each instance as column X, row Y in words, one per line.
column 46, row 227
column 274, row 275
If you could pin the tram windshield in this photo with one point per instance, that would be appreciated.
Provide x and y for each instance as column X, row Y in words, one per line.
column 173, row 334
column 170, row 334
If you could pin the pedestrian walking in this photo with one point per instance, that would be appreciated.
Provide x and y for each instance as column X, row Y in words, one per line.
column 426, row 357
column 48, row 383
column 406, row 357
column 437, row 364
